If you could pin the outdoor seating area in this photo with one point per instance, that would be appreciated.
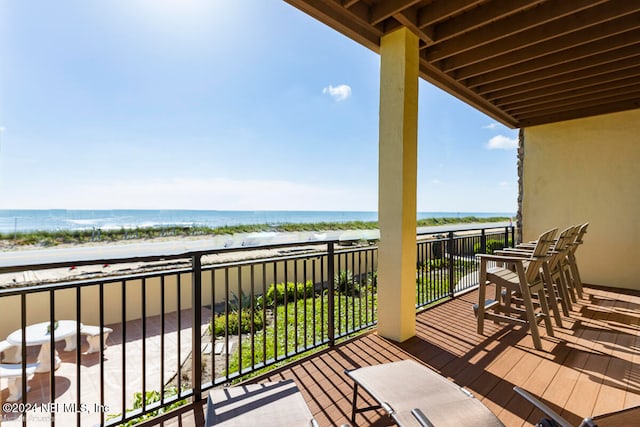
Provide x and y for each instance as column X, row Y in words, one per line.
column 530, row 281
column 590, row 367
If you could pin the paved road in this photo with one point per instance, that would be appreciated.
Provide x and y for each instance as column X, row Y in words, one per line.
column 83, row 254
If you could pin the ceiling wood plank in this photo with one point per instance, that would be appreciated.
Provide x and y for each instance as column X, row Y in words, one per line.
column 338, row 19
column 575, row 27
column 622, row 90
column 601, row 64
column 577, row 113
column 573, row 104
column 384, row 10
column 432, row 75
column 440, row 10
column 565, row 45
column 609, row 49
column 480, row 16
column 494, row 31
column 586, row 83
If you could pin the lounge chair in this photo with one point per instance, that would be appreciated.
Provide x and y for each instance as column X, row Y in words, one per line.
column 414, row 395
column 625, row 418
column 267, row 404
column 525, row 280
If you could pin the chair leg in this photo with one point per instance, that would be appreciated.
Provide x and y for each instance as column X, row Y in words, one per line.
column 551, row 293
column 528, row 305
column 573, row 265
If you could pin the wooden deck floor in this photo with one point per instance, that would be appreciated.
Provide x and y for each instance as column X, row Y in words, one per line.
column 591, row 366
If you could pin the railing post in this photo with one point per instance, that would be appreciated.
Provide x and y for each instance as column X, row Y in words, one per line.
column 506, row 237
column 196, row 311
column 483, row 242
column 451, row 259
column 330, row 303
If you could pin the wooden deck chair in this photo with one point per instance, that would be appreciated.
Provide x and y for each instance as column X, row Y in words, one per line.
column 525, row 279
column 414, row 395
column 556, row 271
column 628, row 417
column 576, row 281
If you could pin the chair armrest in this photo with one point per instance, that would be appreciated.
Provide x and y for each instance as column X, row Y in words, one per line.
column 421, row 417
column 500, row 258
column 541, row 406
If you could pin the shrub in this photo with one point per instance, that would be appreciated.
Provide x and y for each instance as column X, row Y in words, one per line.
column 345, row 283
column 492, row 245
column 219, row 323
column 293, row 290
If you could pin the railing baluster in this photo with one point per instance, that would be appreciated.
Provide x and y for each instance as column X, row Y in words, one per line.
column 143, row 292
column 196, row 310
column 124, row 348
column 331, row 327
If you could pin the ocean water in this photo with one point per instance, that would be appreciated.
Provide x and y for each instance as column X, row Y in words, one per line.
column 61, row 219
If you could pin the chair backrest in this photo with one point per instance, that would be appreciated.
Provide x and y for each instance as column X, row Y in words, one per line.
column 539, row 254
column 582, row 230
column 563, row 244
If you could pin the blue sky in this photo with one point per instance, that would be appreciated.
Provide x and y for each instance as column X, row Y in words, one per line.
column 226, row 104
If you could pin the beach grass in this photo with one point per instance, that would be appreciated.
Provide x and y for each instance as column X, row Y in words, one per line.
column 48, row 238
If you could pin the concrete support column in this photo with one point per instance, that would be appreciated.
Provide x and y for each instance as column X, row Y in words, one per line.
column 397, row 185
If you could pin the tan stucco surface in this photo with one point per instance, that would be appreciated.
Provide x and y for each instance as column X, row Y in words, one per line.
column 397, row 185
column 588, row 170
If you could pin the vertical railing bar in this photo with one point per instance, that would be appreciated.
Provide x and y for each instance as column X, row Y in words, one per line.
column 143, row 291
column 451, row 255
column 264, row 312
column 313, row 297
column 240, row 298
column 275, row 309
column 179, row 331
column 212, row 325
column 162, row 333
column 295, row 304
column 304, row 305
column 322, row 295
column 196, row 325
column 52, row 350
column 361, row 285
column 78, row 356
column 330, row 302
column 253, row 314
column 226, row 320
column 366, row 286
column 23, row 349
column 123, row 291
column 353, row 291
column 101, row 354
column 286, row 308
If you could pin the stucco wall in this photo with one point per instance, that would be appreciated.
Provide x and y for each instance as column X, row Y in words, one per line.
column 588, row 170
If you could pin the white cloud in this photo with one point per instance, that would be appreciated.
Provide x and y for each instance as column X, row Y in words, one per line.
column 501, row 142
column 436, row 181
column 491, row 126
column 339, row 93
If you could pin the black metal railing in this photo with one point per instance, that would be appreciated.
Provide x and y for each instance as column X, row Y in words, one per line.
column 186, row 323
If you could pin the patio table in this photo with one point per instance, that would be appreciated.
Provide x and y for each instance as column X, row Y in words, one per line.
column 39, row 334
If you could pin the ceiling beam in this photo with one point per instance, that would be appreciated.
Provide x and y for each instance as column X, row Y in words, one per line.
column 506, row 28
column 619, row 89
column 339, row 19
column 440, row 10
column 564, row 45
column 576, row 27
column 586, row 82
column 577, row 113
column 595, row 64
column 480, row 16
column 617, row 47
column 387, row 9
